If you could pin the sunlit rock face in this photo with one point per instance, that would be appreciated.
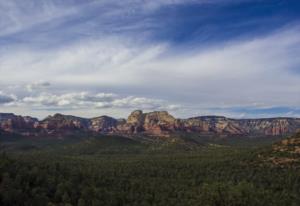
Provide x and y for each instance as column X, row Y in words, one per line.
column 162, row 123
column 103, row 124
column 61, row 124
column 14, row 123
column 271, row 126
column 159, row 121
column 154, row 123
column 290, row 145
column 223, row 125
column 213, row 124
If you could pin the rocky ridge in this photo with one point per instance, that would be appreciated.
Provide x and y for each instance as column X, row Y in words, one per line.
column 284, row 153
column 158, row 123
column 290, row 145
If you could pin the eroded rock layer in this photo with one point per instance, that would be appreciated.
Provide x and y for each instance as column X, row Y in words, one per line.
column 158, row 123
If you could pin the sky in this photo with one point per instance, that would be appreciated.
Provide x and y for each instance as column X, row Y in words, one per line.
column 237, row 58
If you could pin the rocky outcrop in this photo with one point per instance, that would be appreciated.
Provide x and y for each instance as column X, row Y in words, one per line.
column 59, row 123
column 15, row 123
column 162, row 123
column 158, row 123
column 290, row 145
column 103, row 124
column 213, row 124
column 271, row 126
column 223, row 125
column 285, row 153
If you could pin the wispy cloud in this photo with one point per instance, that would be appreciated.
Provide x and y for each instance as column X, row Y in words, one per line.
column 17, row 16
column 242, row 72
column 86, row 100
column 39, row 85
column 106, row 47
column 52, row 23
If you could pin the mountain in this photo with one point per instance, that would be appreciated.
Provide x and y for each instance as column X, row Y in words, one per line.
column 214, row 124
column 153, row 123
column 223, row 125
column 104, row 124
column 17, row 124
column 157, row 123
column 60, row 123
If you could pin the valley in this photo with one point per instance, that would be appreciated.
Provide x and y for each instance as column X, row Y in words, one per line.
column 115, row 170
column 148, row 159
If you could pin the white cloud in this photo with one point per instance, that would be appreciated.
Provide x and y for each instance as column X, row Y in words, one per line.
column 247, row 72
column 72, row 100
column 93, row 101
column 138, row 102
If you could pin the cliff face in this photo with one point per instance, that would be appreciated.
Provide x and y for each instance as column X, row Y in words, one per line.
column 103, row 124
column 158, row 123
column 61, row 123
column 213, row 124
column 153, row 123
column 272, row 126
column 13, row 123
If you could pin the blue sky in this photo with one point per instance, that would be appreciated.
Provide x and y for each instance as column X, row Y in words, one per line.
column 238, row 58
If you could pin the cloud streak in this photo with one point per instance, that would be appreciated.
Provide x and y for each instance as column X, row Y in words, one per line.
column 85, row 100
column 108, row 49
column 228, row 70
column 19, row 16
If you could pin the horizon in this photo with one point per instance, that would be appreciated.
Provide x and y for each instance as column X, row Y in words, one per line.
column 146, row 112
column 232, row 58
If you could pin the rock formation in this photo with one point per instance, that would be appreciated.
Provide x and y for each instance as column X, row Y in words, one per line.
column 153, row 123
column 103, row 124
column 158, row 123
column 19, row 124
column 290, row 145
column 62, row 123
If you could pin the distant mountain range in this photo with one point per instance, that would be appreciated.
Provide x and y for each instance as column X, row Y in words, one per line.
column 158, row 123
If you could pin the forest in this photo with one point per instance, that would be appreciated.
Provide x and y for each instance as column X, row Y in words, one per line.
column 119, row 171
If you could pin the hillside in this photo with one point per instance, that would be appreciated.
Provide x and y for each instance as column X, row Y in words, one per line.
column 286, row 152
column 289, row 145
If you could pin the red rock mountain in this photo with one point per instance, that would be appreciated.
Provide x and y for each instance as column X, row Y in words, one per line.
column 18, row 124
column 63, row 124
column 158, row 123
